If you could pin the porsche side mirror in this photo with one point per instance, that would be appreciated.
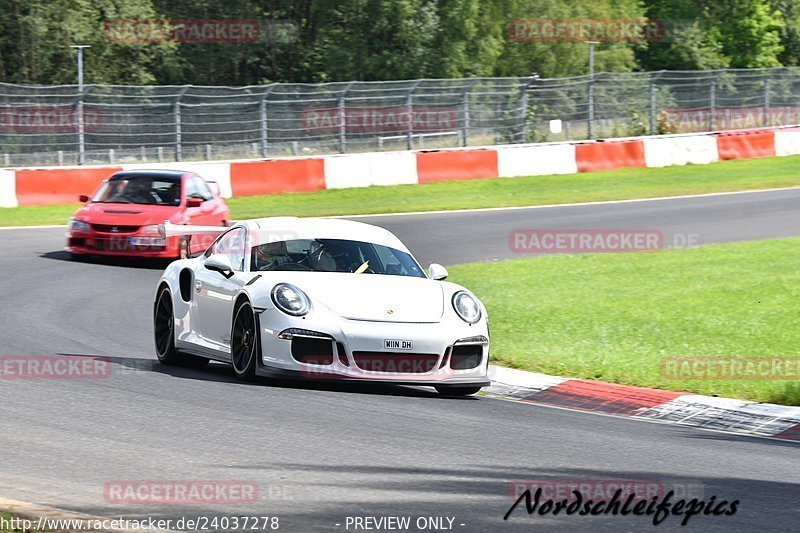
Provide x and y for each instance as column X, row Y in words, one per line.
column 194, row 202
column 437, row 272
column 219, row 263
column 83, row 198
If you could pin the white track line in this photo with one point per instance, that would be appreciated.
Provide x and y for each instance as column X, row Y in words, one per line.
column 513, row 208
column 578, row 204
column 31, row 227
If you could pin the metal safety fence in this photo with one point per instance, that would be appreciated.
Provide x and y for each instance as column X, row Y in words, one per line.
column 60, row 125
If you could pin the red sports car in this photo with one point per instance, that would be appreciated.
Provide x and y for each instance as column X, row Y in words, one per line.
column 122, row 217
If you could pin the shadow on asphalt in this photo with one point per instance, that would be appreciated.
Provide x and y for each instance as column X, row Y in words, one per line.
column 222, row 373
column 128, row 262
column 733, row 437
column 479, row 495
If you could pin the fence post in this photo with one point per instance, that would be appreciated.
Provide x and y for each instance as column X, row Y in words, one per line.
column 262, row 110
column 712, row 102
column 178, row 132
column 523, row 104
column 465, row 125
column 523, row 114
column 410, row 113
column 652, row 93
column 342, row 114
column 82, row 92
column 590, row 121
column 766, row 102
column 81, row 137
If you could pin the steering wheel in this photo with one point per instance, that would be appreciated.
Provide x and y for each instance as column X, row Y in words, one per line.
column 283, row 267
column 290, row 266
column 127, row 199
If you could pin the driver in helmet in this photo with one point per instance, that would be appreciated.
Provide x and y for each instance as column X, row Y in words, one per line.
column 271, row 255
column 335, row 257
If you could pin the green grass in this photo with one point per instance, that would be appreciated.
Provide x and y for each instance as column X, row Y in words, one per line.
column 613, row 317
column 7, row 518
column 534, row 190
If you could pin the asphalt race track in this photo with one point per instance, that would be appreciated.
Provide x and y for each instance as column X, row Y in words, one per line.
column 320, row 452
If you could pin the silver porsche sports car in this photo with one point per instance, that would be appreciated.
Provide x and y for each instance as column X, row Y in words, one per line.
column 319, row 299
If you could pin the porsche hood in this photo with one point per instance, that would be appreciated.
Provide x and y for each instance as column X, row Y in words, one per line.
column 373, row 297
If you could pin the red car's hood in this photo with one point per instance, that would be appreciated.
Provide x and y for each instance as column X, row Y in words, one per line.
column 127, row 214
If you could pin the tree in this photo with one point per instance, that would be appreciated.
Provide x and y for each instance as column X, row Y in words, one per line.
column 527, row 53
column 709, row 34
column 35, row 42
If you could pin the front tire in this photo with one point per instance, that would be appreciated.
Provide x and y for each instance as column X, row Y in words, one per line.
column 164, row 333
column 244, row 342
column 456, row 392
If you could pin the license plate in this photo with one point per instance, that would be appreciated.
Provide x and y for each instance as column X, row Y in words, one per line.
column 397, row 344
column 147, row 241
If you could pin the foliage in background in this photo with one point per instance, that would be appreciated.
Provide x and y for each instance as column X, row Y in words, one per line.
column 323, row 40
column 709, row 34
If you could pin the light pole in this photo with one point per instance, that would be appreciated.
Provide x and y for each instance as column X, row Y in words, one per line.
column 590, row 124
column 81, row 143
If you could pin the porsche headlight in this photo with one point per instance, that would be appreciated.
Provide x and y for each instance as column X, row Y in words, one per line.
column 77, row 225
column 466, row 307
column 290, row 299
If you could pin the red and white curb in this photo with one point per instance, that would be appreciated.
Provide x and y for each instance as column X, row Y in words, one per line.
column 679, row 408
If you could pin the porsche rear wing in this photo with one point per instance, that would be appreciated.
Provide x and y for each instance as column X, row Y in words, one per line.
column 167, row 229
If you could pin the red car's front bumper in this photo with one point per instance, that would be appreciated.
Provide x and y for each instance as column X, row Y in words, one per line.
column 129, row 244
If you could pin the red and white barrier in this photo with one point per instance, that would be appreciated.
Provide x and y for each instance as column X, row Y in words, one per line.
column 787, row 142
column 364, row 170
column 8, row 188
column 683, row 150
column 536, row 160
column 41, row 186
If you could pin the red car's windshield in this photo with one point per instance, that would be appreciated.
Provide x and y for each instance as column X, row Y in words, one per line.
column 156, row 190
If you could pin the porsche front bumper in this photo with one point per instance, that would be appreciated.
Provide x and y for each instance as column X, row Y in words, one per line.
column 441, row 354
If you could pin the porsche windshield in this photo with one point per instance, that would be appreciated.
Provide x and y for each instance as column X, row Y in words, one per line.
column 140, row 189
column 334, row 255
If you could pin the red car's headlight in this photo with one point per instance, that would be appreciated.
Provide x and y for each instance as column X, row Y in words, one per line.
column 77, row 225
